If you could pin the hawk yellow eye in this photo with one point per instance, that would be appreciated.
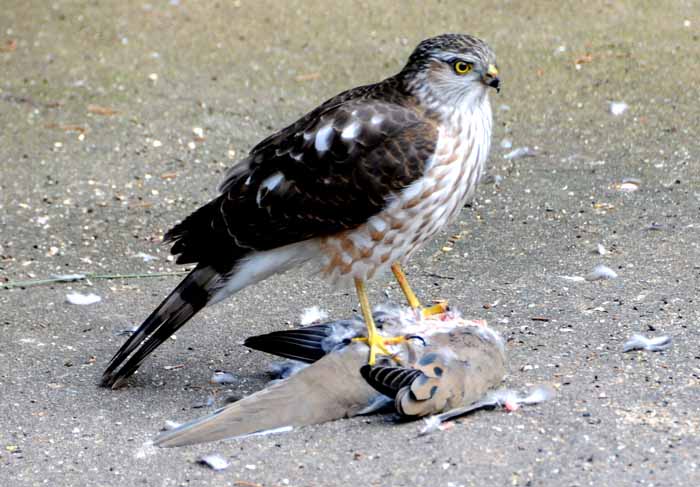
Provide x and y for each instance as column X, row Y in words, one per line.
column 462, row 67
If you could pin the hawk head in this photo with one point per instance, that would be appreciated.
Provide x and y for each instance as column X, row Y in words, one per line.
column 451, row 71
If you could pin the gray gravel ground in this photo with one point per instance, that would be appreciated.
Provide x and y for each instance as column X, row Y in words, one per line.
column 98, row 102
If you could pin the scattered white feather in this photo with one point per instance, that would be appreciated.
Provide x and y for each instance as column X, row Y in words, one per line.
column 222, row 377
column 506, row 144
column 68, row 277
column 601, row 272
column 629, row 185
column 640, row 342
column 617, row 108
column 540, row 393
column 146, row 257
column 520, row 152
column 285, row 369
column 83, row 299
column 574, row 278
column 430, row 425
column 312, row 315
column 601, row 250
column 145, row 450
column 171, row 425
column 206, row 403
column 214, row 461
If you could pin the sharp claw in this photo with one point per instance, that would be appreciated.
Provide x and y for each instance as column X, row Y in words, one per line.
column 438, row 308
column 416, row 337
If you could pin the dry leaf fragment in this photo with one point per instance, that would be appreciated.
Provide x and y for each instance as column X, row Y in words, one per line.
column 308, row 77
column 9, row 46
column 245, row 483
column 585, row 59
column 100, row 110
column 67, row 128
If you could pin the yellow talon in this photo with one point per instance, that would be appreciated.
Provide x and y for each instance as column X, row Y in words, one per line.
column 378, row 346
column 376, row 342
column 439, row 306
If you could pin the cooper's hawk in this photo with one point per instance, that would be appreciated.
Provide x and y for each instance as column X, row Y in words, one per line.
column 357, row 185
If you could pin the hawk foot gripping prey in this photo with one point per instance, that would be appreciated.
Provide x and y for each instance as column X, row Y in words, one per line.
column 438, row 308
column 376, row 342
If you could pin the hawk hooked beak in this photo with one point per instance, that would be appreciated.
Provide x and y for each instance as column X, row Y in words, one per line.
column 490, row 78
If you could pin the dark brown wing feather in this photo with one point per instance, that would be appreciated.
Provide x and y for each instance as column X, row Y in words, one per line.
column 310, row 343
column 325, row 184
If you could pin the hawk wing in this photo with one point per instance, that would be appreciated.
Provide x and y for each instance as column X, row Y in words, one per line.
column 329, row 171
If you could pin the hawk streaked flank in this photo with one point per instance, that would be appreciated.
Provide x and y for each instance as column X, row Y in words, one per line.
column 358, row 184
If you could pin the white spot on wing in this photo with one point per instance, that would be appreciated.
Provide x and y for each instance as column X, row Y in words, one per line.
column 351, row 131
column 323, row 138
column 268, row 184
column 376, row 119
column 378, row 224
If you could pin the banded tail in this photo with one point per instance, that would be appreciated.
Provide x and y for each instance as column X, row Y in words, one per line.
column 204, row 286
column 191, row 295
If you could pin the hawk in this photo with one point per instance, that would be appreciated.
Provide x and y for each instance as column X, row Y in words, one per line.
column 357, row 185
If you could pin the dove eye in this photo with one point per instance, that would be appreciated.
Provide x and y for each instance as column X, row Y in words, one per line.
column 462, row 67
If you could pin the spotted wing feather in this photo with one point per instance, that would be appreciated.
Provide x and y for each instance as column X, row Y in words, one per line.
column 328, row 172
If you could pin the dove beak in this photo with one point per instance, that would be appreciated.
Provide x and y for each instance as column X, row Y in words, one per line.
column 490, row 78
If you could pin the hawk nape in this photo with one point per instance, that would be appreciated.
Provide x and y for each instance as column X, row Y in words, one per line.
column 358, row 184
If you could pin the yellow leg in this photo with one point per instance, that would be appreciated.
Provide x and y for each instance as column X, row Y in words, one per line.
column 437, row 308
column 403, row 282
column 376, row 342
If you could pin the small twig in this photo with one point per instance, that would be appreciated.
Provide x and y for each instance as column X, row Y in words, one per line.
column 438, row 276
column 83, row 277
column 245, row 483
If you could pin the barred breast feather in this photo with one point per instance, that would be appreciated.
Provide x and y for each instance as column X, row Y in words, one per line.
column 417, row 212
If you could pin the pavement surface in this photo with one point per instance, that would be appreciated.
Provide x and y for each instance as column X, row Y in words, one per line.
column 117, row 119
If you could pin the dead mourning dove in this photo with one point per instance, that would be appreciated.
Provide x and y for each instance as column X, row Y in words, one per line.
column 454, row 363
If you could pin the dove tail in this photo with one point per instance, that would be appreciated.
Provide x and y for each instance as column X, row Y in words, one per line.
column 278, row 406
column 329, row 389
